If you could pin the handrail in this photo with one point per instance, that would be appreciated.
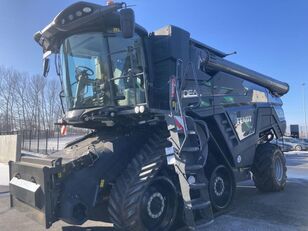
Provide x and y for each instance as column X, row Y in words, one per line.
column 179, row 64
column 179, row 75
column 197, row 84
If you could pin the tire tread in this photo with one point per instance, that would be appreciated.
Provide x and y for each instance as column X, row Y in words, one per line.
column 263, row 168
column 123, row 207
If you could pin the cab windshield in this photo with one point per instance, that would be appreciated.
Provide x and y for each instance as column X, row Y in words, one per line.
column 100, row 70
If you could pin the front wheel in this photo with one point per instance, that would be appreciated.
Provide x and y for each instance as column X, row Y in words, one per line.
column 269, row 168
column 142, row 198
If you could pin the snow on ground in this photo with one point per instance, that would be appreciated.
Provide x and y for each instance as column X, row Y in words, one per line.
column 296, row 153
column 4, row 174
column 297, row 163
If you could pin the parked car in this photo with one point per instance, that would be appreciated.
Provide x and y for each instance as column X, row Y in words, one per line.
column 304, row 140
column 297, row 144
column 284, row 146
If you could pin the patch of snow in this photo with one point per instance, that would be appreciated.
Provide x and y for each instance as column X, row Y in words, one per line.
column 4, row 174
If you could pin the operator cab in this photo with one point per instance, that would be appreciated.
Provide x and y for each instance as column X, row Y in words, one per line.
column 102, row 70
column 101, row 60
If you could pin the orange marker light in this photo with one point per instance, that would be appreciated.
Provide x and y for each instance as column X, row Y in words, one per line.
column 63, row 130
column 110, row 2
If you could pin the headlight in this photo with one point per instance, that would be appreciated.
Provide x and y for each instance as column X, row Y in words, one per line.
column 87, row 10
column 137, row 109
column 141, row 109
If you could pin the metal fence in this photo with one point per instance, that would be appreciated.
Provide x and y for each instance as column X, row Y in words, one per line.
column 45, row 141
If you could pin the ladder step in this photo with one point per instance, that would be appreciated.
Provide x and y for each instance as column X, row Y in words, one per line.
column 200, row 205
column 190, row 149
column 171, row 127
column 196, row 186
column 224, row 122
column 229, row 130
column 191, row 132
column 203, row 224
column 191, row 168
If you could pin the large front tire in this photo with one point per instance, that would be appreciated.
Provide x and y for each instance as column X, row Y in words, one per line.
column 142, row 199
column 269, row 168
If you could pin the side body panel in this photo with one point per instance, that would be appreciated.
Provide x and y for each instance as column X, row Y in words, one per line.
column 238, row 112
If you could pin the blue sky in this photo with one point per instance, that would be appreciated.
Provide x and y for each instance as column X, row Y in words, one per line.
column 269, row 36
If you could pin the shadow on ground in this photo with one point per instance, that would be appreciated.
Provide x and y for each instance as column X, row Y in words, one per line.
column 4, row 189
column 76, row 228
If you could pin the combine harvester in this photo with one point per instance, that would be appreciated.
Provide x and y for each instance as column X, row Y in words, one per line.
column 175, row 126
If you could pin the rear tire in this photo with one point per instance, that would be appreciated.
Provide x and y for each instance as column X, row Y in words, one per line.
column 141, row 199
column 298, row 148
column 269, row 168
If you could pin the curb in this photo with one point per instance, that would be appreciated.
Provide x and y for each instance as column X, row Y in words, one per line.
column 4, row 189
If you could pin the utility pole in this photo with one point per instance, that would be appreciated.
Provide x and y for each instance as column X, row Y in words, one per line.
column 304, row 107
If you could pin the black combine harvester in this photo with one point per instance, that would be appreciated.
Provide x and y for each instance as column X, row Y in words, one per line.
column 175, row 126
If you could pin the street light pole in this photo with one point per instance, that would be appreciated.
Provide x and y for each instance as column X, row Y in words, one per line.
column 304, row 107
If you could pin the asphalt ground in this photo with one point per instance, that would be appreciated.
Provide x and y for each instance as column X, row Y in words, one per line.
column 251, row 210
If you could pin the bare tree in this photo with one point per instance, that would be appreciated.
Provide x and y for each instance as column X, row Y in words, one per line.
column 6, row 95
column 27, row 102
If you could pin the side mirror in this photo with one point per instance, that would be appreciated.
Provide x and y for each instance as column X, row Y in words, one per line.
column 127, row 22
column 46, row 66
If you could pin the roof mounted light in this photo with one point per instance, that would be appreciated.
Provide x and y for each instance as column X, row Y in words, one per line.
column 71, row 17
column 78, row 13
column 87, row 10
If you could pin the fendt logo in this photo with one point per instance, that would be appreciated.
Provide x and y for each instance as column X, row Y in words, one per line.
column 189, row 93
column 241, row 120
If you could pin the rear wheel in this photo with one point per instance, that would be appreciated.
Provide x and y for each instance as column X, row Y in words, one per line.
column 269, row 169
column 158, row 204
column 298, row 148
column 143, row 198
column 221, row 188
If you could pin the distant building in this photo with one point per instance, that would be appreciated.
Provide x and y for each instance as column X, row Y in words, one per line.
column 294, row 130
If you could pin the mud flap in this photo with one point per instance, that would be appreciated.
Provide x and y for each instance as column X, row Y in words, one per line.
column 33, row 189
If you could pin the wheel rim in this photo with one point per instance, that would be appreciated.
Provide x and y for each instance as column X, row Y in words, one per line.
column 221, row 187
column 159, row 204
column 298, row 148
column 278, row 169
